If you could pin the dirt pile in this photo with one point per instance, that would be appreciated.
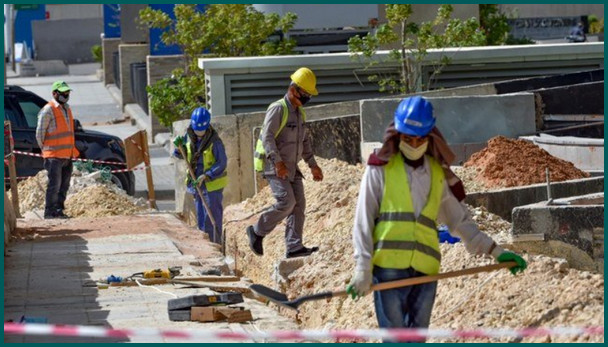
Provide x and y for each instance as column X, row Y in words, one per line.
column 87, row 197
column 549, row 293
column 512, row 162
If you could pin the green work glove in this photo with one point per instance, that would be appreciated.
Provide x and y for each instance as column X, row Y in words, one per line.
column 199, row 180
column 360, row 284
column 510, row 256
column 178, row 141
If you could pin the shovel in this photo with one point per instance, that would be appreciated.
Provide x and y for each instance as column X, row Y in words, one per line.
column 282, row 300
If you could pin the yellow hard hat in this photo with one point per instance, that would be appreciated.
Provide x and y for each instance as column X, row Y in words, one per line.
column 305, row 79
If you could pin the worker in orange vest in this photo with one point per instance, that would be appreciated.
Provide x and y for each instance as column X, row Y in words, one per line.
column 55, row 136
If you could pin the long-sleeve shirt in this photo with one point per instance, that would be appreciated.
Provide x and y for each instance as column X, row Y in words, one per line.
column 291, row 145
column 46, row 122
column 452, row 212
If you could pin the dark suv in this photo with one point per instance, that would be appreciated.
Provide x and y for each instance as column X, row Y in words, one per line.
column 21, row 108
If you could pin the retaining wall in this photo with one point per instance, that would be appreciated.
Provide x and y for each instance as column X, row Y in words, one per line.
column 502, row 202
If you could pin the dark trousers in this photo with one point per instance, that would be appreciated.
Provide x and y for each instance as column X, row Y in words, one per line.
column 59, row 173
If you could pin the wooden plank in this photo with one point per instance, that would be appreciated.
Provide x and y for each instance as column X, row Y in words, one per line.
column 214, row 287
column 133, row 150
column 528, row 237
column 146, row 154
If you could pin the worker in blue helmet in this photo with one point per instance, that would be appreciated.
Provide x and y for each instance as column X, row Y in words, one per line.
column 206, row 155
column 404, row 195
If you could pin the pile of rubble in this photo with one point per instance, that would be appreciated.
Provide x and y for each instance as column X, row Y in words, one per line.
column 88, row 196
column 549, row 293
column 513, row 162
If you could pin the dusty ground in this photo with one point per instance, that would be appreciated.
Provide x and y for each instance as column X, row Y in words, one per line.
column 512, row 162
column 549, row 293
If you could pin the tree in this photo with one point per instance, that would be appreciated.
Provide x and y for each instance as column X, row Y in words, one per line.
column 222, row 30
column 413, row 40
column 494, row 24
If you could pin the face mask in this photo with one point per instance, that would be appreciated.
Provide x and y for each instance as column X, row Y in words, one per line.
column 62, row 99
column 303, row 99
column 412, row 153
column 199, row 133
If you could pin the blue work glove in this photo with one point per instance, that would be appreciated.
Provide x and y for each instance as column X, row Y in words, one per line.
column 179, row 141
column 510, row 256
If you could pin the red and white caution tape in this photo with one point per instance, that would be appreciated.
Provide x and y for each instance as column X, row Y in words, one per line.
column 202, row 334
column 18, row 178
column 73, row 159
column 133, row 169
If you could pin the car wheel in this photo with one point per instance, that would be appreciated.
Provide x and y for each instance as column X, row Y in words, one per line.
column 121, row 181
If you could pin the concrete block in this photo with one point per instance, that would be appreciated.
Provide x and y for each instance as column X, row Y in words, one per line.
column 572, row 221
column 337, row 137
column 68, row 40
column 502, row 202
column 130, row 53
column 50, row 67
column 559, row 100
column 108, row 47
column 585, row 153
column 467, row 119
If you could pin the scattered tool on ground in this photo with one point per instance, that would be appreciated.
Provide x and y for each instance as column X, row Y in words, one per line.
column 282, row 300
column 158, row 273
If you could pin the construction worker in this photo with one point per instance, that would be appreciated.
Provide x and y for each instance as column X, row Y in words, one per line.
column 55, row 136
column 403, row 195
column 283, row 142
column 577, row 33
column 206, row 156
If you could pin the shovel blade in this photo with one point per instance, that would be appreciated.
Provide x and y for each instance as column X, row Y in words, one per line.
column 272, row 295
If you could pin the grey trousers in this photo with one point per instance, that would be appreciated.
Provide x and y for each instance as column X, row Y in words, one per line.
column 291, row 203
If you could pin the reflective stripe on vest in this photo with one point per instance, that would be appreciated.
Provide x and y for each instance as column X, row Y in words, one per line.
column 260, row 153
column 60, row 143
column 208, row 161
column 401, row 240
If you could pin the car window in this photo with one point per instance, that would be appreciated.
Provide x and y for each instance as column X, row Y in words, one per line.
column 30, row 111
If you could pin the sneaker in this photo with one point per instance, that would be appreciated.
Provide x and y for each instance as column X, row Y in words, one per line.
column 302, row 252
column 255, row 241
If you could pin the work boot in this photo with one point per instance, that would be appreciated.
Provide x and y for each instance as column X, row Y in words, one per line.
column 302, row 252
column 59, row 214
column 255, row 241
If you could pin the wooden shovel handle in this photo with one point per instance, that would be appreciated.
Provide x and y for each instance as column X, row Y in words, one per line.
column 432, row 278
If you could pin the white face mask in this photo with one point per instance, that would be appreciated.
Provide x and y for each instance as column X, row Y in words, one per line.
column 199, row 133
column 413, row 153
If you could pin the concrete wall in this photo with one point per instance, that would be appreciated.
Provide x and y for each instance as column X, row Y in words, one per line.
column 130, row 30
column 159, row 67
column 552, row 10
column 572, row 224
column 468, row 119
column 108, row 47
column 69, row 40
column 585, row 98
column 74, row 11
column 502, row 202
column 130, row 53
column 586, row 154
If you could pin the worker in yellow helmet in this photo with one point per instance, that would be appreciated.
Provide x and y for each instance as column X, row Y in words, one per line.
column 284, row 141
column 405, row 191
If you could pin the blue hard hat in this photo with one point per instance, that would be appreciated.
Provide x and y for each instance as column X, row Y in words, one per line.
column 414, row 116
column 200, row 119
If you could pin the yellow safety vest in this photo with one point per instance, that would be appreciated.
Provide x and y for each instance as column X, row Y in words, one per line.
column 401, row 240
column 260, row 152
column 208, row 161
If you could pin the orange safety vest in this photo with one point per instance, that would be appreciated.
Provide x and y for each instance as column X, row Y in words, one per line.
column 61, row 142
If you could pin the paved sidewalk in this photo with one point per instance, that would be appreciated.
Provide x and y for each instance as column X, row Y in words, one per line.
column 53, row 276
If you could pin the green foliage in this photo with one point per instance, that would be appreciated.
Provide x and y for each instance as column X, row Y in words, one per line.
column 413, row 41
column 223, row 30
column 97, row 53
column 596, row 25
column 494, row 24
column 518, row 41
